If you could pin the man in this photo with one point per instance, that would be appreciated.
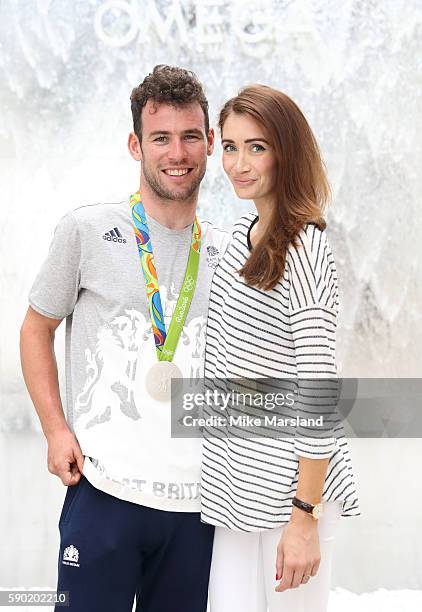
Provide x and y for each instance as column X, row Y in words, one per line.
column 130, row 521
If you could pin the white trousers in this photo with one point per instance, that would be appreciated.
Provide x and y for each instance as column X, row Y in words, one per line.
column 243, row 571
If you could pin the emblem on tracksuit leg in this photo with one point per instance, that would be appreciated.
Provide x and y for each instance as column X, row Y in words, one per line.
column 71, row 556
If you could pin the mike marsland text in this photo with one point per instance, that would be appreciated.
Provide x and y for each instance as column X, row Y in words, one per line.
column 251, row 421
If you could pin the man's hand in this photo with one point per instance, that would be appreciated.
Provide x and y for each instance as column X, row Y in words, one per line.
column 298, row 552
column 65, row 458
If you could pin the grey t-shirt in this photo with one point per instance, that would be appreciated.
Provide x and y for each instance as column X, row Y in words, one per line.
column 93, row 277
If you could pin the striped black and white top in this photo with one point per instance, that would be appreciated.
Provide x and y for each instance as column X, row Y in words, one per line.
column 248, row 483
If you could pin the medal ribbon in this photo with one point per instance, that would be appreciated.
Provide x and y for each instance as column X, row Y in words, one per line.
column 165, row 342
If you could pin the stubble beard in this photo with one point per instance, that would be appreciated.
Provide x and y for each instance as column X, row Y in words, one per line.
column 167, row 194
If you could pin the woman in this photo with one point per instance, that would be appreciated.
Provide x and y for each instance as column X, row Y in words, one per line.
column 273, row 310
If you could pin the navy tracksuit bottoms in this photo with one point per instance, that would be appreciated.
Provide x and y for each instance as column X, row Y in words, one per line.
column 113, row 551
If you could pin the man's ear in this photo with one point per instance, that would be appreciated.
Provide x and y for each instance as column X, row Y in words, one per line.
column 210, row 141
column 134, row 147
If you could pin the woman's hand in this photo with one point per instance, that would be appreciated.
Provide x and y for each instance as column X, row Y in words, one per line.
column 298, row 552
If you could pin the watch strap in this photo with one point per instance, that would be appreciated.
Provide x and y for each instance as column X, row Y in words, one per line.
column 303, row 505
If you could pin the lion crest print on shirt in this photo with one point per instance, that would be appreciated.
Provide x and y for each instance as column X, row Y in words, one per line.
column 115, row 369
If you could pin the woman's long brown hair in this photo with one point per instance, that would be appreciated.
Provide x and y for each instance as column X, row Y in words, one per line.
column 301, row 186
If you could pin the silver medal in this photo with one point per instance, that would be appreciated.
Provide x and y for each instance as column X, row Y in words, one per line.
column 158, row 380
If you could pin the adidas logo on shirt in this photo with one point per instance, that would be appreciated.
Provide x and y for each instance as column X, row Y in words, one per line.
column 114, row 235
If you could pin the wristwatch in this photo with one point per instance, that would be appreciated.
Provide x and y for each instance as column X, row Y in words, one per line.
column 316, row 511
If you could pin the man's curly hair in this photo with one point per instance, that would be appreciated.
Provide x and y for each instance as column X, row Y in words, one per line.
column 171, row 85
